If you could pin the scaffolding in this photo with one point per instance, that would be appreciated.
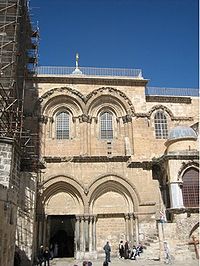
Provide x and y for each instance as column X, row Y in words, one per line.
column 18, row 60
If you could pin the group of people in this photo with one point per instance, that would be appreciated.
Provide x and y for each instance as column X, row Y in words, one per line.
column 125, row 251
column 128, row 252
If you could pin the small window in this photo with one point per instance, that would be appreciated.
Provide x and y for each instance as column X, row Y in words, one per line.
column 106, row 126
column 62, row 125
column 160, row 121
column 190, row 188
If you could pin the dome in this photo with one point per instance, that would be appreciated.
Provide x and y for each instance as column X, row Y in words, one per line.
column 182, row 132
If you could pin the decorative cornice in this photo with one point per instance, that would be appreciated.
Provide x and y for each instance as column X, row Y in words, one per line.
column 183, row 210
column 169, row 99
column 90, row 80
column 77, row 159
column 186, row 155
column 146, row 165
column 164, row 109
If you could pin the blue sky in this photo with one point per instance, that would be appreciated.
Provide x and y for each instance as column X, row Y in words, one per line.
column 158, row 36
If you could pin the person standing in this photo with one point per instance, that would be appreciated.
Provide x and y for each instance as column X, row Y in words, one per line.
column 126, row 250
column 47, row 256
column 121, row 249
column 107, row 250
column 41, row 255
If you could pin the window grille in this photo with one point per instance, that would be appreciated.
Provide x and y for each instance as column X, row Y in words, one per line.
column 62, row 126
column 106, row 131
column 160, row 121
column 190, row 188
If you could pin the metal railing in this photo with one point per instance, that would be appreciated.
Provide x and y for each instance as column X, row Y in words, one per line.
column 159, row 91
column 90, row 71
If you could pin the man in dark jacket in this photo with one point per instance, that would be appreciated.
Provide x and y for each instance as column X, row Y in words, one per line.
column 107, row 250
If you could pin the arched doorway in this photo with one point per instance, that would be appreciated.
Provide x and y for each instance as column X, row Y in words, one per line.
column 61, row 239
column 190, row 188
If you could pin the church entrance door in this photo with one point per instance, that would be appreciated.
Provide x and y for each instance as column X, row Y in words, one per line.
column 61, row 238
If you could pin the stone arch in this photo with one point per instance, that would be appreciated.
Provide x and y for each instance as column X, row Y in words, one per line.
column 63, row 185
column 49, row 98
column 160, row 107
column 110, row 96
column 185, row 167
column 190, row 186
column 117, row 185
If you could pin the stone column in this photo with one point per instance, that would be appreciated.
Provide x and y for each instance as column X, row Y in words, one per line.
column 81, row 234
column 126, row 216
column 90, row 233
column 86, row 232
column 47, row 231
column 136, row 230
column 131, row 227
column 40, row 236
column 94, row 233
column 44, row 229
column 77, row 234
column 176, row 196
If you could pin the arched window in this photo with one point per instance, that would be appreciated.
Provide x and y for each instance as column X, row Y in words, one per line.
column 160, row 121
column 106, row 125
column 62, row 125
column 190, row 188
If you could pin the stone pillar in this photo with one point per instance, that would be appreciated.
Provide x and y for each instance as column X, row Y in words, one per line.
column 176, row 196
column 131, row 227
column 136, row 230
column 77, row 234
column 86, row 232
column 40, row 235
column 94, row 233
column 44, row 230
column 90, row 233
column 81, row 234
column 47, row 231
column 126, row 216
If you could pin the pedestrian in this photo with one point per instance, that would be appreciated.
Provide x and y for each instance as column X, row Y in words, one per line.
column 47, row 256
column 126, row 250
column 133, row 253
column 107, row 250
column 121, row 249
column 167, row 253
column 139, row 249
column 41, row 255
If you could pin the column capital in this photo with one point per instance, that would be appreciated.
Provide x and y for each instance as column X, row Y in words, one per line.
column 126, row 216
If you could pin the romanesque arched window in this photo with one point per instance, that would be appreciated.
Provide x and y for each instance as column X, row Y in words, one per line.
column 62, row 125
column 106, row 125
column 160, row 122
column 190, row 188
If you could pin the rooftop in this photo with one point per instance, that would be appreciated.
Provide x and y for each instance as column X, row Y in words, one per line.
column 115, row 73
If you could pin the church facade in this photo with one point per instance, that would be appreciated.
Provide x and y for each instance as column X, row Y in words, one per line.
column 120, row 164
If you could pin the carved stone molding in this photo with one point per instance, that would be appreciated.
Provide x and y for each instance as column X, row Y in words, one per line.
column 126, row 119
column 85, row 118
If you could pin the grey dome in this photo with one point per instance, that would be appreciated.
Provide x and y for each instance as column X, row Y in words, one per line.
column 182, row 132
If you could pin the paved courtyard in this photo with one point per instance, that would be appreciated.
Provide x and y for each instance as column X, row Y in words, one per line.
column 121, row 262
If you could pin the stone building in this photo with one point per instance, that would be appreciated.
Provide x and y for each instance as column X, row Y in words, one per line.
column 89, row 155
column 120, row 157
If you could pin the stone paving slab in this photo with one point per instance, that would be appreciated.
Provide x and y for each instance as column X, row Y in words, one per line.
column 121, row 262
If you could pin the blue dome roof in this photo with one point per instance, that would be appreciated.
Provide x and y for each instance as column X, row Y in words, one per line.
column 182, row 132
